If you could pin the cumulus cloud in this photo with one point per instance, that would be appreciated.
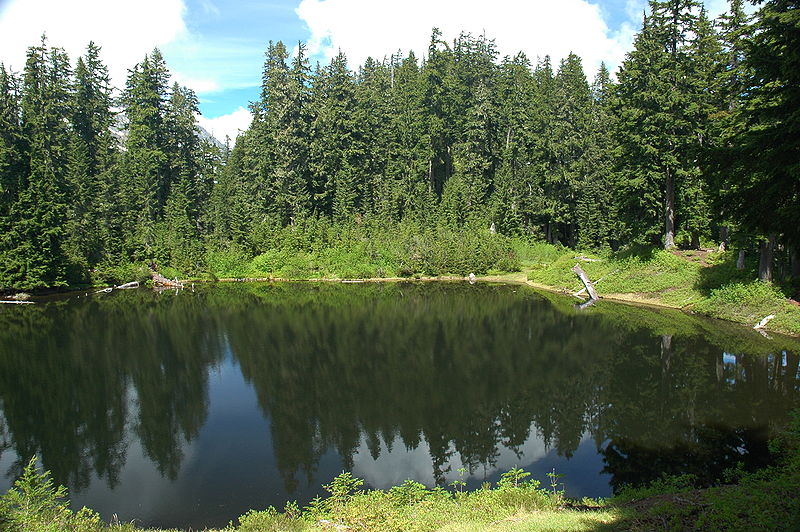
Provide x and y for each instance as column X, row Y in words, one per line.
column 125, row 30
column 361, row 28
column 230, row 124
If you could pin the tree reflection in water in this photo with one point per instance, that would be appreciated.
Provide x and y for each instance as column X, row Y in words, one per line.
column 466, row 371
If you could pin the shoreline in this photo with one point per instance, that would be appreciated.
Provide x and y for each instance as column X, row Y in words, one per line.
column 510, row 278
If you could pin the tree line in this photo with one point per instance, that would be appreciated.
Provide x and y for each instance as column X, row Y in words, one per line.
column 694, row 141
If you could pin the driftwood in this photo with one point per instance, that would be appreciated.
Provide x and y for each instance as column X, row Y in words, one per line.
column 763, row 323
column 132, row 284
column 585, row 279
column 161, row 281
column 582, row 290
column 12, row 302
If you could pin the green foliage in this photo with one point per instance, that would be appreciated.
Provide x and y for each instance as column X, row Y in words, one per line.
column 35, row 503
column 269, row 520
column 108, row 273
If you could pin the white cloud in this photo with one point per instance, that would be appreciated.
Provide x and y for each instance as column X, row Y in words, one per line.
column 361, row 28
column 125, row 30
column 230, row 124
column 198, row 85
column 393, row 467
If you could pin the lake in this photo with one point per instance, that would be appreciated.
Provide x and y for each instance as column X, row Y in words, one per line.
column 188, row 408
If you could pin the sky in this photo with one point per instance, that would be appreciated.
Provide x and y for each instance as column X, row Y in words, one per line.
column 217, row 47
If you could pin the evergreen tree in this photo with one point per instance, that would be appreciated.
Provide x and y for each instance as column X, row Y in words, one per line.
column 336, row 150
column 282, row 136
column 34, row 244
column 595, row 213
column 406, row 189
column 91, row 160
column 658, row 122
column 571, row 129
column 13, row 167
column 187, row 187
column 761, row 156
column 515, row 95
column 541, row 159
column 145, row 166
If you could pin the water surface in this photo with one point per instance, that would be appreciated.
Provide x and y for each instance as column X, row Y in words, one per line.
column 189, row 408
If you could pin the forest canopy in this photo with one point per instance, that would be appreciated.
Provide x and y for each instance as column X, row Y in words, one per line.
column 693, row 141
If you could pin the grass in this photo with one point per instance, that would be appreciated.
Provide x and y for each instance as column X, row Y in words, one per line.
column 706, row 283
column 697, row 281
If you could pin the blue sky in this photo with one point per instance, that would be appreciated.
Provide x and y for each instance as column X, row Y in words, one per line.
column 217, row 47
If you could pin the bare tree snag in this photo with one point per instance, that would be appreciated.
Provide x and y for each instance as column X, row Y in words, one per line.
column 585, row 279
column 669, row 212
column 740, row 260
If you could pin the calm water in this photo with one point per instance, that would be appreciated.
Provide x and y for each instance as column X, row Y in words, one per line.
column 188, row 409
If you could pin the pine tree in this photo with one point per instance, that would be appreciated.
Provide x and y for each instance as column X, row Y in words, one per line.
column 34, row 245
column 91, row 160
column 186, row 186
column 595, row 213
column 658, row 122
column 406, row 189
column 515, row 87
column 282, row 136
column 336, row 150
column 13, row 167
column 145, row 165
column 761, row 154
column 570, row 133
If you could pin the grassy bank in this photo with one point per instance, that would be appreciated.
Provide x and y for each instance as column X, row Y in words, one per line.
column 698, row 281
column 765, row 500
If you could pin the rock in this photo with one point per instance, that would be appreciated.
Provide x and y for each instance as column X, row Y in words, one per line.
column 471, row 278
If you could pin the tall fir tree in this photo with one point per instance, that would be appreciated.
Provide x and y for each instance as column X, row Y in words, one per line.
column 92, row 160
column 145, row 165
column 762, row 154
column 34, row 244
column 13, row 145
column 658, row 123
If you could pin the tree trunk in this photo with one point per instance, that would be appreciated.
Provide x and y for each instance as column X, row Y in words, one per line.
column 585, row 279
column 794, row 259
column 767, row 249
column 724, row 236
column 669, row 212
column 695, row 240
column 740, row 260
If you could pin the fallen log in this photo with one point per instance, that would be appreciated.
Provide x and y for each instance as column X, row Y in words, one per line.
column 763, row 323
column 585, row 279
column 132, row 284
column 160, row 280
column 11, row 302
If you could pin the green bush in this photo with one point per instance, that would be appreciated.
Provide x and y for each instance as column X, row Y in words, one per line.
column 107, row 273
column 34, row 503
column 233, row 262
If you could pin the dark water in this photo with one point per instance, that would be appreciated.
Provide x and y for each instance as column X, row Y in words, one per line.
column 188, row 409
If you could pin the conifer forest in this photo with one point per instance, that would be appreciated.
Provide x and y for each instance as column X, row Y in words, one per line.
column 694, row 141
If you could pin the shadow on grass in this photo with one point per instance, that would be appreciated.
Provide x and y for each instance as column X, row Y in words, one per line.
column 724, row 272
